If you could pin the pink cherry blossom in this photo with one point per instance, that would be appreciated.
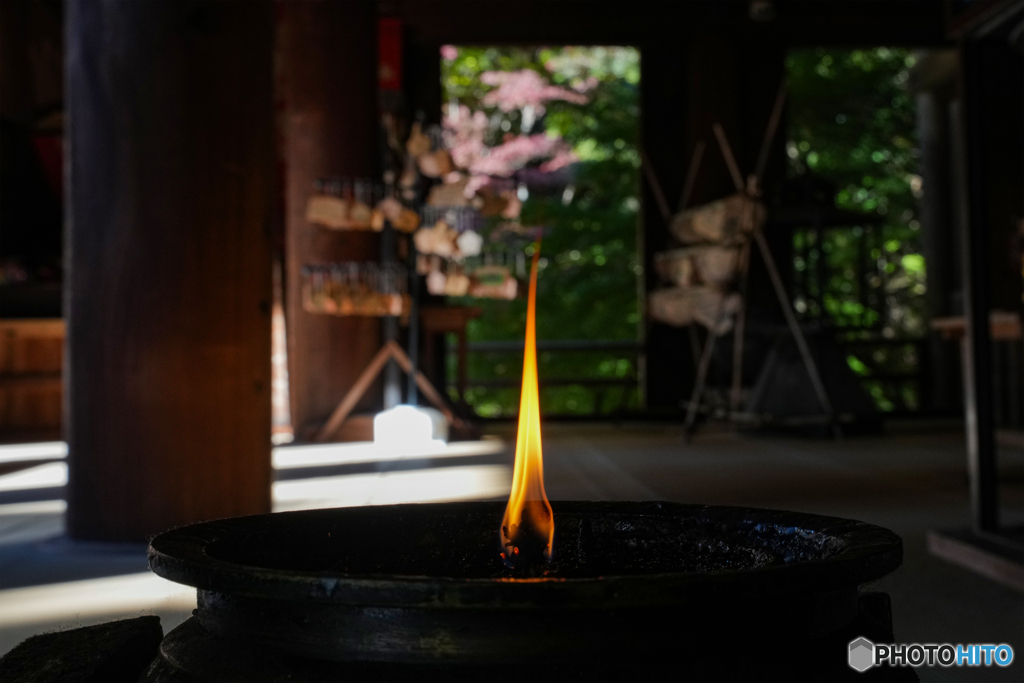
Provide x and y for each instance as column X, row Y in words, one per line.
column 476, row 183
column 524, row 88
column 465, row 131
column 464, row 135
column 512, row 155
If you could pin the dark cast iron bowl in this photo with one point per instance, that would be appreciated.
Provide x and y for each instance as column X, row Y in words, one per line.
column 421, row 584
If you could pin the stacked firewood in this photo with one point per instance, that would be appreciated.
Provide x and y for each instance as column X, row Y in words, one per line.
column 699, row 276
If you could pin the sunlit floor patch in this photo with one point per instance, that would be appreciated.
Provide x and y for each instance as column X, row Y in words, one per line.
column 458, row 471
column 25, row 452
column 285, row 457
column 27, row 611
column 46, row 476
column 344, row 490
column 472, row 482
column 42, row 507
column 423, row 485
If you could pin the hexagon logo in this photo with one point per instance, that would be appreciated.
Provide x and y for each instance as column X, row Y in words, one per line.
column 861, row 654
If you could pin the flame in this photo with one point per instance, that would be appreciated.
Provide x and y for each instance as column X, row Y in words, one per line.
column 528, row 527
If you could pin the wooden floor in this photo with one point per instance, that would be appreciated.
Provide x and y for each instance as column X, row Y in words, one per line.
column 910, row 480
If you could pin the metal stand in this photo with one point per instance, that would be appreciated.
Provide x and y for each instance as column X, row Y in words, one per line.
column 391, row 352
column 794, row 327
column 392, row 386
column 414, row 326
column 752, row 230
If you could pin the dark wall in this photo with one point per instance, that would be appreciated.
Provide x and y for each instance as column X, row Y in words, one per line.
column 31, row 124
column 31, row 59
column 995, row 92
column 622, row 22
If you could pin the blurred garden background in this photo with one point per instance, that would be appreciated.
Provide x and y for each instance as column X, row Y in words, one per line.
column 852, row 123
column 561, row 125
column 575, row 113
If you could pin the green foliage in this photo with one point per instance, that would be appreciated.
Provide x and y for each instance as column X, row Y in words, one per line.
column 587, row 285
column 852, row 122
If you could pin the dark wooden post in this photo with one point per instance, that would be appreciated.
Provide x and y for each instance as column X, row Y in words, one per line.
column 327, row 67
column 976, row 263
column 169, row 207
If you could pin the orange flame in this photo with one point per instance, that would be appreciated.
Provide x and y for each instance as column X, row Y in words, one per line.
column 528, row 527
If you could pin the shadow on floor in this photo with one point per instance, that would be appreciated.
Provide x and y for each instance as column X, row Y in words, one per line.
column 60, row 559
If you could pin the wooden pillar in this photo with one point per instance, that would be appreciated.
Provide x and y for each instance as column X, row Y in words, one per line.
column 941, row 371
column 327, row 71
column 668, row 139
column 169, row 208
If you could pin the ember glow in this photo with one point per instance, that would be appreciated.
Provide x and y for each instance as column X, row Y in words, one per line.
column 528, row 527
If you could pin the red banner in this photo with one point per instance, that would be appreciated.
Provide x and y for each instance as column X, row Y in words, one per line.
column 389, row 53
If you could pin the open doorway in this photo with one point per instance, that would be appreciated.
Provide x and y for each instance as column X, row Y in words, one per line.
column 546, row 139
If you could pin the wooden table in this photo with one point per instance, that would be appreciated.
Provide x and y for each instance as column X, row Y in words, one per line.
column 1004, row 325
column 437, row 320
column 31, row 384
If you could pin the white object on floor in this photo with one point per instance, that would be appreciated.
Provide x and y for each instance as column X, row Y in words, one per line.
column 410, row 429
